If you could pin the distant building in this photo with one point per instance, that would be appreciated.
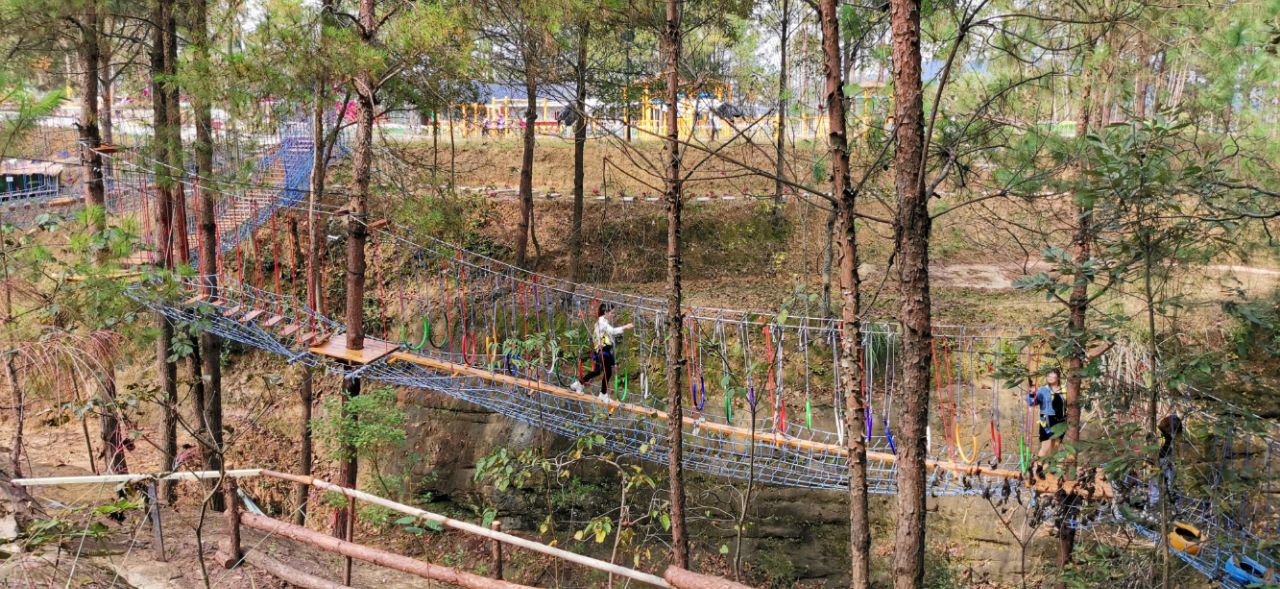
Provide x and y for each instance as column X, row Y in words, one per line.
column 26, row 179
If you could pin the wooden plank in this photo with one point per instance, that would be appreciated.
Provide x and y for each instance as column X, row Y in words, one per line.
column 273, row 320
column 1102, row 491
column 232, row 310
column 290, row 330
column 374, row 349
column 195, row 299
column 251, row 315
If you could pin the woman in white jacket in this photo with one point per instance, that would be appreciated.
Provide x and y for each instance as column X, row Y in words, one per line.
column 603, row 339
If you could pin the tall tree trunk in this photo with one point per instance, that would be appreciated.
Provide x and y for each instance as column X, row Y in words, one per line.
column 178, row 230
column 579, row 152
column 110, row 427
column 525, row 226
column 851, row 296
column 105, row 77
column 88, row 52
column 161, row 12
column 1158, row 78
column 208, row 403
column 781, row 168
column 19, row 401
column 357, row 205
column 1077, row 309
column 1142, row 84
column 915, row 313
column 828, row 260
column 319, row 169
column 173, row 122
column 303, row 492
column 357, row 234
column 675, row 311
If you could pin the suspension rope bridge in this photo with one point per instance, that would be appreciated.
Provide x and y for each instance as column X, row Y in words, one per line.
column 764, row 394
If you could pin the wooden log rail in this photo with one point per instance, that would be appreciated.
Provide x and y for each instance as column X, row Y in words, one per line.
column 474, row 529
column 1047, row 484
column 684, row 579
column 368, row 554
column 288, row 574
column 674, row 578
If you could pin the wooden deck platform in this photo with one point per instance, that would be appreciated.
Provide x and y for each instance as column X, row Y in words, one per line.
column 374, row 349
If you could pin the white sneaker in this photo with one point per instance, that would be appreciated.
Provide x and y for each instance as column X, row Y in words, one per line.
column 576, row 386
column 604, row 397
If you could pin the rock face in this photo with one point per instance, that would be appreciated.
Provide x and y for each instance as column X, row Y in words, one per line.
column 791, row 536
column 446, row 437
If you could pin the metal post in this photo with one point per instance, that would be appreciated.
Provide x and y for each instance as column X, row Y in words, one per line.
column 496, row 550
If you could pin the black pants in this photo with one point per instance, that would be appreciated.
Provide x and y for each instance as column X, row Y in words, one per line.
column 1047, row 424
column 604, row 365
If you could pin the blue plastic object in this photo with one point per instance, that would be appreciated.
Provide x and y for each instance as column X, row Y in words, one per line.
column 1246, row 571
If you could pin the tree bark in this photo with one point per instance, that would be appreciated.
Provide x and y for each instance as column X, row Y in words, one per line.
column 525, row 226
column 173, row 123
column 579, row 153
column 113, row 440
column 303, row 492
column 915, row 313
column 19, row 405
column 675, row 310
column 357, row 230
column 161, row 13
column 317, row 178
column 90, row 139
column 105, row 77
column 781, row 168
column 1077, row 309
column 828, row 260
column 109, row 424
column 357, row 233
column 209, row 408
column 851, row 296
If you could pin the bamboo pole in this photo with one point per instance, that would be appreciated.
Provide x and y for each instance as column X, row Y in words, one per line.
column 471, row 528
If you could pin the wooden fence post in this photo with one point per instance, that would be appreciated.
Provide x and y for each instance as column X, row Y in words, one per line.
column 233, row 523
column 496, row 550
column 350, row 533
column 153, row 512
